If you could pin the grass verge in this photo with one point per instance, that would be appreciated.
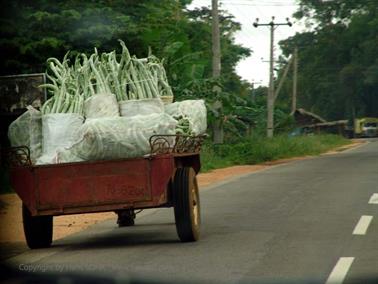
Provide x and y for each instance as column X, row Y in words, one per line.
column 257, row 149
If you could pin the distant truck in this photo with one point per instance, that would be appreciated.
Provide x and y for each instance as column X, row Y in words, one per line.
column 365, row 127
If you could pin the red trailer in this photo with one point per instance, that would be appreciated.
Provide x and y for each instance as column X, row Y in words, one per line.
column 164, row 178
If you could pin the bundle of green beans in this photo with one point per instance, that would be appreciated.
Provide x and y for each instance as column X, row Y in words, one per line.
column 182, row 126
column 125, row 76
column 156, row 67
column 64, row 87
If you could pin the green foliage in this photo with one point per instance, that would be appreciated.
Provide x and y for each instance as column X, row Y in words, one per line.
column 338, row 59
column 257, row 149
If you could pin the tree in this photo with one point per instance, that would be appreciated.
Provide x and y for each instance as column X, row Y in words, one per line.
column 338, row 58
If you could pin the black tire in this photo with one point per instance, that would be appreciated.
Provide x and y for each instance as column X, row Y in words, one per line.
column 186, row 205
column 38, row 229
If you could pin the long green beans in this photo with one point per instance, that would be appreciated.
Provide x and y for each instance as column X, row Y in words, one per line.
column 125, row 76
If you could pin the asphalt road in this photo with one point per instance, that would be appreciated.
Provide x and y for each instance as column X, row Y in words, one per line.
column 299, row 221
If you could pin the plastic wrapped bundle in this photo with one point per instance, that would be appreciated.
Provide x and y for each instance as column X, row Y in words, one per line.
column 58, row 132
column 101, row 105
column 26, row 130
column 131, row 108
column 117, row 137
column 191, row 115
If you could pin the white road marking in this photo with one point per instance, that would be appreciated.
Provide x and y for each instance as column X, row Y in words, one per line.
column 374, row 199
column 362, row 225
column 340, row 270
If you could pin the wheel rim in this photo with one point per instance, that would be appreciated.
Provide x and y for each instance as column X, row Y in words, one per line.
column 195, row 208
column 194, row 200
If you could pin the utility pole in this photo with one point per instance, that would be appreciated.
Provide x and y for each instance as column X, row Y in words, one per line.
column 283, row 78
column 215, row 40
column 270, row 99
column 218, row 123
column 295, row 81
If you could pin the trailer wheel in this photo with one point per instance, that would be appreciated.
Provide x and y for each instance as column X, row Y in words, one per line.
column 186, row 205
column 38, row 229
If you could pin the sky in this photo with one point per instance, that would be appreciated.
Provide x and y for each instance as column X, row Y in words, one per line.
column 253, row 68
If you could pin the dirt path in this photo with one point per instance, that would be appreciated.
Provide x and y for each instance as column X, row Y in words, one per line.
column 10, row 204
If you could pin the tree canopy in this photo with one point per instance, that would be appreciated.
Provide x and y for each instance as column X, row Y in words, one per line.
column 338, row 58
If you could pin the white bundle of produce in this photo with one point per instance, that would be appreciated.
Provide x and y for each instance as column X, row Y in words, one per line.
column 58, row 132
column 131, row 108
column 117, row 137
column 26, row 130
column 101, row 105
column 193, row 111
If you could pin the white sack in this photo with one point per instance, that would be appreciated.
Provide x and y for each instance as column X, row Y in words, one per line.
column 141, row 107
column 66, row 156
column 26, row 130
column 58, row 132
column 101, row 105
column 192, row 110
column 119, row 137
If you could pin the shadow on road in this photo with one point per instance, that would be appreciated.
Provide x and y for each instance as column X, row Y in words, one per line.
column 138, row 235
